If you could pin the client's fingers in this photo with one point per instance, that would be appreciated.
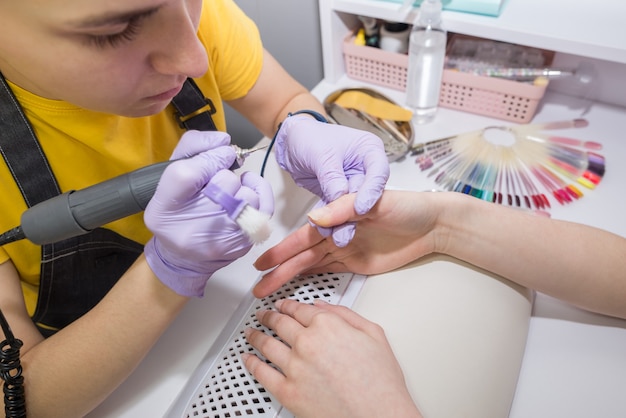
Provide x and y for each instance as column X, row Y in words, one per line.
column 290, row 268
column 336, row 212
column 266, row 375
column 301, row 312
column 272, row 349
column 303, row 238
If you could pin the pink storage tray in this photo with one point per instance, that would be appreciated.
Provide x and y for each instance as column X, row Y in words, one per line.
column 497, row 98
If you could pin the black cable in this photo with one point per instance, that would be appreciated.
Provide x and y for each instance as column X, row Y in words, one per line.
column 268, row 151
column 11, row 373
column 318, row 116
column 11, row 235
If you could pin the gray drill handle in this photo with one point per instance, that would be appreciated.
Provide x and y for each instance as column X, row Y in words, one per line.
column 78, row 212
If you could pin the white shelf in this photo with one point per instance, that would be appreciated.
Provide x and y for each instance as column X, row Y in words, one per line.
column 590, row 29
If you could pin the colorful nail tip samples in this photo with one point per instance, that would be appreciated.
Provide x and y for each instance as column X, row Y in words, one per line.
column 519, row 172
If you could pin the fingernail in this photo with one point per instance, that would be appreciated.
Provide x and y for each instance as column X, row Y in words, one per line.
column 320, row 302
column 278, row 303
column 317, row 215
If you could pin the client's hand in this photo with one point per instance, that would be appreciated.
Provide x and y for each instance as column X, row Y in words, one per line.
column 333, row 363
column 395, row 232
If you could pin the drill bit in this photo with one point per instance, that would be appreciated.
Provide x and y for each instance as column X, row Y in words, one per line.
column 243, row 153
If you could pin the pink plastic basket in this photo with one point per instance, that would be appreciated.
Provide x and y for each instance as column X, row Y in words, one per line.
column 497, row 98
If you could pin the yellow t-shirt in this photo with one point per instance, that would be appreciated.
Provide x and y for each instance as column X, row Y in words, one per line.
column 85, row 147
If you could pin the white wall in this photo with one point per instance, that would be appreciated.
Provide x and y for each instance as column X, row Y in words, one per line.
column 609, row 88
column 291, row 32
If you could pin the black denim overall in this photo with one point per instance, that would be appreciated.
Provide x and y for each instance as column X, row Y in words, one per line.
column 76, row 273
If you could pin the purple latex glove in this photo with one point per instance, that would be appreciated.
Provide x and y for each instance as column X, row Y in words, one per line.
column 332, row 160
column 194, row 237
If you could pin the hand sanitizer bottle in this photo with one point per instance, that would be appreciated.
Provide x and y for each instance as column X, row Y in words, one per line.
column 427, row 51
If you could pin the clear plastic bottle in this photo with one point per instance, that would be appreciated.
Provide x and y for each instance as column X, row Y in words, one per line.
column 427, row 51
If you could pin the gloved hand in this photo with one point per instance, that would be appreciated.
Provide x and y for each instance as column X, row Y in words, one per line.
column 332, row 160
column 194, row 237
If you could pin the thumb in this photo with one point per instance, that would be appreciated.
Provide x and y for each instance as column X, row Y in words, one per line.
column 335, row 213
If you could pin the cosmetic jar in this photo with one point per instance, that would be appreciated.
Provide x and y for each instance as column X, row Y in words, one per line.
column 394, row 37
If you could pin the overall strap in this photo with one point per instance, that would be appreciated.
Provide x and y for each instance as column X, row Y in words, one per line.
column 23, row 154
column 189, row 103
column 21, row 151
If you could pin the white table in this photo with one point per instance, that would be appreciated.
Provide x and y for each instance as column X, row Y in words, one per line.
column 574, row 363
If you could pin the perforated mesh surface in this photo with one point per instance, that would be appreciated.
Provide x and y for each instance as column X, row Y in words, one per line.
column 226, row 388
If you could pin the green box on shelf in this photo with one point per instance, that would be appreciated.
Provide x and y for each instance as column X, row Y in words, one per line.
column 482, row 7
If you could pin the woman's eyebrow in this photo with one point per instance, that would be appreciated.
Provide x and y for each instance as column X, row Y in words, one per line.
column 112, row 18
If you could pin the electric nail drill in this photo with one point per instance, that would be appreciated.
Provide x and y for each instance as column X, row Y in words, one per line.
column 79, row 211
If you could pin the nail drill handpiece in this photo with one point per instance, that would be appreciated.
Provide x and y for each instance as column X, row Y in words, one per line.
column 78, row 212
